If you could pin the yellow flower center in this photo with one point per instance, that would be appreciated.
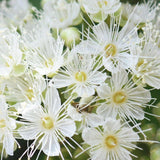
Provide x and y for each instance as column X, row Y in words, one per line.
column 143, row 66
column 119, row 97
column 7, row 64
column 30, row 94
column 47, row 122
column 111, row 142
column 102, row 3
column 2, row 123
column 49, row 62
column 110, row 50
column 81, row 76
column 140, row 62
column 62, row 19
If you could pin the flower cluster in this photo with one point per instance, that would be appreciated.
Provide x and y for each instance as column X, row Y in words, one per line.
column 83, row 69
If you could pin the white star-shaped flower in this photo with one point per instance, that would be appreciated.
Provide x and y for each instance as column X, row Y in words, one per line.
column 111, row 43
column 81, row 75
column 122, row 98
column 47, row 125
column 111, row 142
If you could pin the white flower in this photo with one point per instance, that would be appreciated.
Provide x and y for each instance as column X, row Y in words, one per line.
column 122, row 98
column 25, row 88
column 81, row 75
column 141, row 14
column 112, row 44
column 14, row 12
column 144, row 12
column 7, row 127
column 11, row 62
column 100, row 7
column 44, row 54
column 146, row 64
column 48, row 125
column 60, row 14
column 113, row 142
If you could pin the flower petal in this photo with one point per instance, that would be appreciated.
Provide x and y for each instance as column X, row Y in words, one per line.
column 50, row 145
column 52, row 100
column 92, row 136
column 8, row 143
column 67, row 127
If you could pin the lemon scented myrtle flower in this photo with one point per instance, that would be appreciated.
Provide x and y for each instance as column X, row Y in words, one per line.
column 113, row 141
column 122, row 98
column 81, row 75
column 47, row 127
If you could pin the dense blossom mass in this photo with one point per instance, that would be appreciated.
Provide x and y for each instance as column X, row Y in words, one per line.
column 77, row 77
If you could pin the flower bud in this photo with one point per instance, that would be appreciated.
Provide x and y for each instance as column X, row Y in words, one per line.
column 71, row 36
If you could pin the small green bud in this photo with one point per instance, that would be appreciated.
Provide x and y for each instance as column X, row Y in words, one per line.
column 70, row 35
